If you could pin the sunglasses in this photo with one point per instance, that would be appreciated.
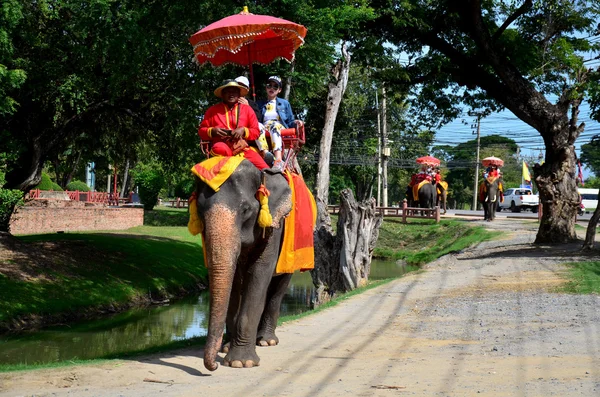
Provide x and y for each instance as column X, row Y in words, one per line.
column 273, row 86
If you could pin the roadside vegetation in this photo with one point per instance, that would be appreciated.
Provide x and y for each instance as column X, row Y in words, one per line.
column 422, row 241
column 61, row 277
column 584, row 278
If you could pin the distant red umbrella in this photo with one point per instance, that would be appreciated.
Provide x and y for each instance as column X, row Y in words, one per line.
column 498, row 162
column 428, row 160
column 245, row 39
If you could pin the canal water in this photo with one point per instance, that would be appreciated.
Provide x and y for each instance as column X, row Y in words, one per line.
column 146, row 328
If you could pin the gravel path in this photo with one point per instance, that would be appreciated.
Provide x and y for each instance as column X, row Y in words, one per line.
column 482, row 322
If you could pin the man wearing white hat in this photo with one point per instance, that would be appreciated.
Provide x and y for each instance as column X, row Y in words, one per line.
column 261, row 142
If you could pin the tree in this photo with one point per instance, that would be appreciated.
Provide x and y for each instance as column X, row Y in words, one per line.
column 516, row 55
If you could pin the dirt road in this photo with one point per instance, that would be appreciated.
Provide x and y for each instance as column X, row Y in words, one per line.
column 483, row 322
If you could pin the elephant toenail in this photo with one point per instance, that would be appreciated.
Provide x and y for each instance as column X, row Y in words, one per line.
column 236, row 364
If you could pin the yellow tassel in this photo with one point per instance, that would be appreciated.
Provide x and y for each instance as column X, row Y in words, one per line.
column 265, row 219
column 195, row 225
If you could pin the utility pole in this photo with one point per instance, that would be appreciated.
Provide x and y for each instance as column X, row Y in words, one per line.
column 378, row 148
column 384, row 144
column 477, row 163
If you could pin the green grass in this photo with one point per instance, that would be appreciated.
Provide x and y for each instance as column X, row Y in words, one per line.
column 164, row 216
column 98, row 270
column 422, row 241
column 584, row 278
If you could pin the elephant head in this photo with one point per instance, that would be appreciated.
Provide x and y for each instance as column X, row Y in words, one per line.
column 230, row 228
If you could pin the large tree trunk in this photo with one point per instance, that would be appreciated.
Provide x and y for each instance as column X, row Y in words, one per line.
column 556, row 178
column 334, row 98
column 29, row 172
column 343, row 261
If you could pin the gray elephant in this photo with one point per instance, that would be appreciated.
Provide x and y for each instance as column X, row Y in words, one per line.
column 241, row 258
column 427, row 196
column 490, row 193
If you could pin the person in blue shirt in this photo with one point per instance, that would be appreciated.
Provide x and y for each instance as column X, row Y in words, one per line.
column 276, row 114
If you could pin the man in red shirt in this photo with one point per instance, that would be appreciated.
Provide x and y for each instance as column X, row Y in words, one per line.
column 232, row 123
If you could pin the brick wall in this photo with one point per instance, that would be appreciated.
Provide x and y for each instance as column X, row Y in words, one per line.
column 47, row 216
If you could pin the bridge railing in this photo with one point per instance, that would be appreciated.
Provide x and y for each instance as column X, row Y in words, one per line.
column 403, row 212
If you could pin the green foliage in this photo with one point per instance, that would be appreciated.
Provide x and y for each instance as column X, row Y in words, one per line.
column 56, row 187
column 11, row 76
column 584, row 278
column 9, row 199
column 590, row 155
column 149, row 178
column 592, row 182
column 185, row 188
column 78, row 185
column 46, row 183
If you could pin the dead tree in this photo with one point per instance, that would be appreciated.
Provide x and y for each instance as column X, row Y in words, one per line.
column 343, row 260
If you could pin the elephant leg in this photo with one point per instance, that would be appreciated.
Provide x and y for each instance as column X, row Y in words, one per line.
column 234, row 308
column 257, row 277
column 266, row 330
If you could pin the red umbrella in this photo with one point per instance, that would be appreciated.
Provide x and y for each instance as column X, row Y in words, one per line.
column 245, row 39
column 428, row 160
column 498, row 162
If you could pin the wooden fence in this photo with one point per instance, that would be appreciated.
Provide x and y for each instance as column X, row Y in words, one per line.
column 403, row 212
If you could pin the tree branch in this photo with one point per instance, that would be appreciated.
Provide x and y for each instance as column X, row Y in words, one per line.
column 520, row 11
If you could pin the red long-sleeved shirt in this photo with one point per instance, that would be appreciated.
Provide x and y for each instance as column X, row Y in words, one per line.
column 222, row 116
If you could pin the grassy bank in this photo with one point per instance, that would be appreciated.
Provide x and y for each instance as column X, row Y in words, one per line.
column 422, row 241
column 75, row 275
column 584, row 278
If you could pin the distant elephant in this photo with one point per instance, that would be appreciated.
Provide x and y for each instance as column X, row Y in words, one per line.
column 442, row 195
column 490, row 193
column 427, row 196
column 244, row 293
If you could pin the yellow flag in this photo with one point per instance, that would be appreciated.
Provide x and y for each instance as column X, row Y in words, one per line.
column 526, row 175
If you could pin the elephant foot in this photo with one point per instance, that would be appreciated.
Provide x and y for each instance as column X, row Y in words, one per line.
column 267, row 340
column 241, row 357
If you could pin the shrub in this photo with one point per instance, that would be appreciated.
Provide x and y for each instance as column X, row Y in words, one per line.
column 150, row 180
column 56, row 187
column 78, row 185
column 45, row 183
column 9, row 199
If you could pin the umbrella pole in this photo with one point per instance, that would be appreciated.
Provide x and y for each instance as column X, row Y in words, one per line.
column 252, row 83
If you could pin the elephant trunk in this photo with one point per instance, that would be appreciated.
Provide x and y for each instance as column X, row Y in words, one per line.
column 222, row 251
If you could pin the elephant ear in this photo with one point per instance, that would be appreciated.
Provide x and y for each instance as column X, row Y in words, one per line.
column 280, row 198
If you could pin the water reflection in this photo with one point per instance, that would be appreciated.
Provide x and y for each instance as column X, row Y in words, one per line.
column 144, row 328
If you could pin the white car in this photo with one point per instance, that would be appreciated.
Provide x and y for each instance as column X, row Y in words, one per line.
column 519, row 198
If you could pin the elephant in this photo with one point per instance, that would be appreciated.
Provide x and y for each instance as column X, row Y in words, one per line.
column 427, row 196
column 442, row 195
column 241, row 256
column 490, row 192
